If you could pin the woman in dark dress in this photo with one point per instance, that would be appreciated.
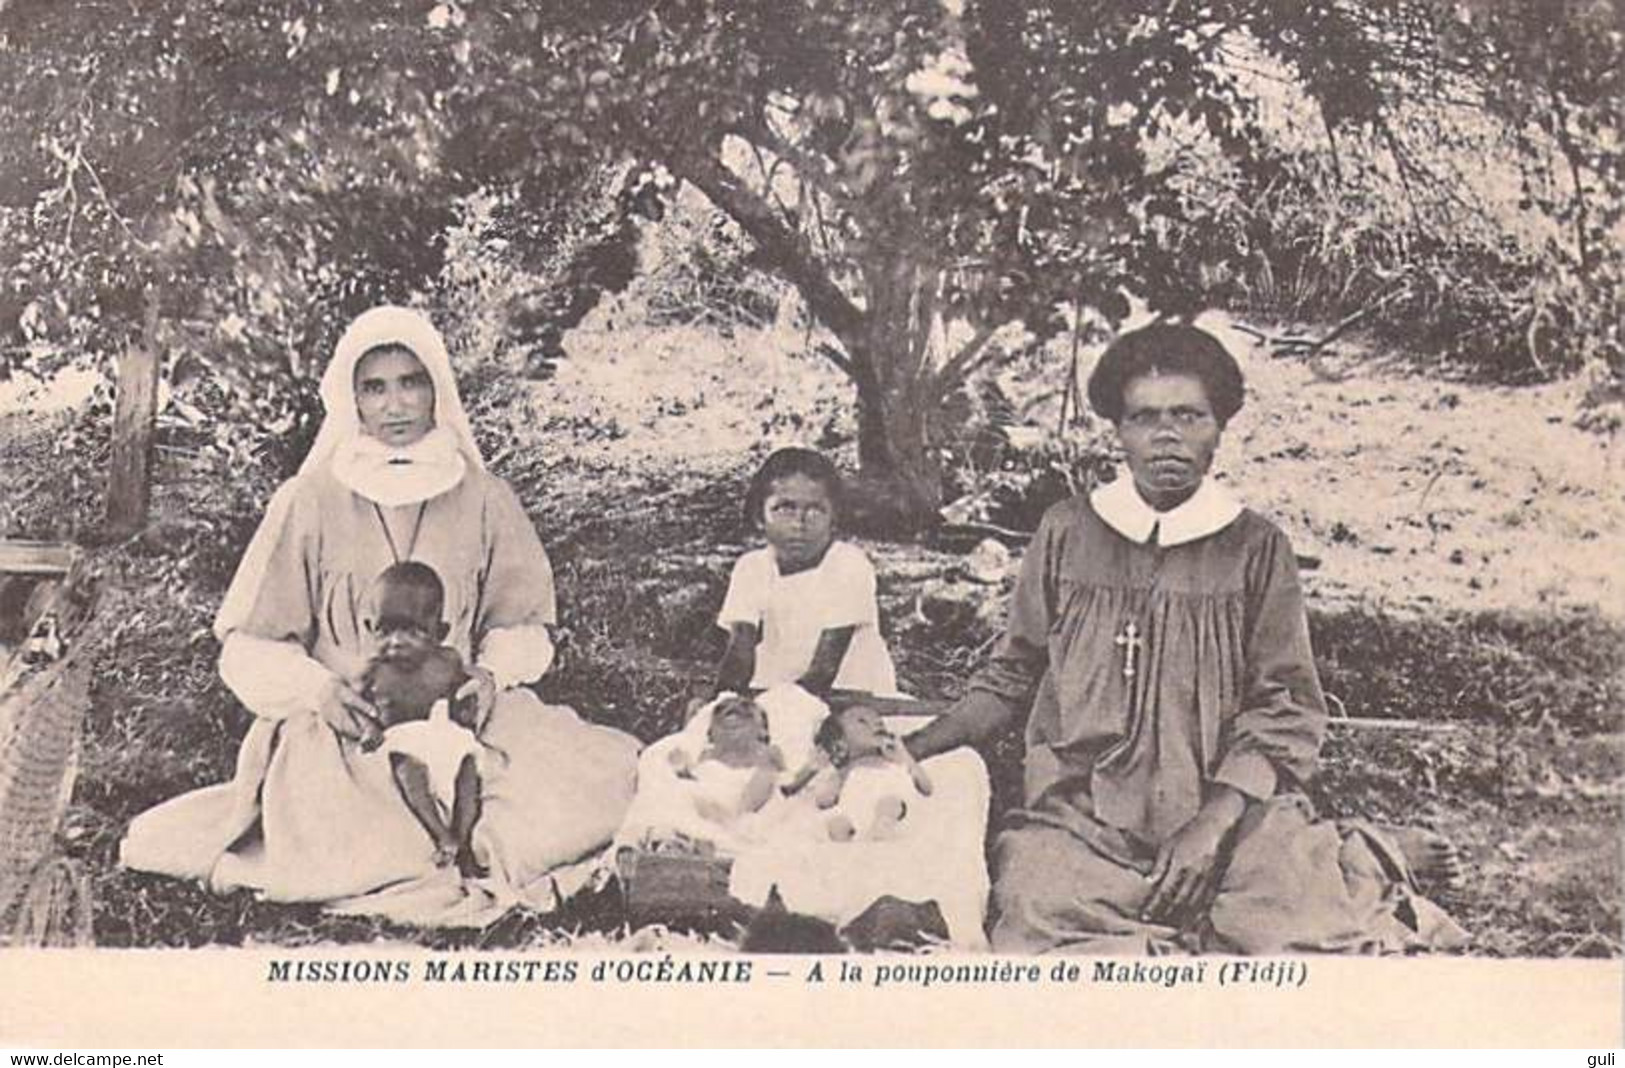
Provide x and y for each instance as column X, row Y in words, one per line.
column 1158, row 649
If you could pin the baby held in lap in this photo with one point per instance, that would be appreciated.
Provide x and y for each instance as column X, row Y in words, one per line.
column 412, row 679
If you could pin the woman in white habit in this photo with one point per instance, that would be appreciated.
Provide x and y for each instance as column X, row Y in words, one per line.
column 394, row 474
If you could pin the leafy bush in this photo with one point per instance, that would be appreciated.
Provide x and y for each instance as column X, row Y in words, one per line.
column 1311, row 246
column 1518, row 671
column 699, row 270
column 1024, row 439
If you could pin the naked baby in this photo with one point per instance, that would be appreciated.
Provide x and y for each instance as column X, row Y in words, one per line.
column 736, row 771
column 862, row 771
column 412, row 679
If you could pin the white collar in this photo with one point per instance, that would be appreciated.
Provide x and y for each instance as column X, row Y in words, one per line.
column 1209, row 510
column 389, row 476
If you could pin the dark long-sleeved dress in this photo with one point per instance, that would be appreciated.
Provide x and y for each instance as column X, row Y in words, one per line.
column 1148, row 674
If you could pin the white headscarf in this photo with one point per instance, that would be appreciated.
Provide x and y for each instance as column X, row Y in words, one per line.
column 381, row 473
column 426, row 468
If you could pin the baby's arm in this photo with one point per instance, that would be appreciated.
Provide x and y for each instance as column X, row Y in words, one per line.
column 758, row 789
column 827, row 659
column 465, row 707
column 809, row 771
column 739, row 660
column 827, row 788
column 922, row 781
column 370, row 731
column 682, row 762
column 898, row 753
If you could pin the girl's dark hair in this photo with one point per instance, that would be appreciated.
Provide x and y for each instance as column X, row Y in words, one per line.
column 1167, row 348
column 793, row 461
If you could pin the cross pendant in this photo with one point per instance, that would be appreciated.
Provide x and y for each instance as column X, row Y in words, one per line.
column 1131, row 642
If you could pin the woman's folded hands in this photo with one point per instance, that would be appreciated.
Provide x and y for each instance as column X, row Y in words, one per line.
column 1188, row 866
column 343, row 707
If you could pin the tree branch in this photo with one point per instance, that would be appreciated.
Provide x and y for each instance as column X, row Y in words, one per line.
column 791, row 218
column 787, row 249
column 834, row 355
column 807, row 165
column 1573, row 157
column 969, row 358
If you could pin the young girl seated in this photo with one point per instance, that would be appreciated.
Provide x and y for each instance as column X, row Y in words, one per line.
column 802, row 609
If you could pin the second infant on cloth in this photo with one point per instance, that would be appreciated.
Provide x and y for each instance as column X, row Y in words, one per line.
column 881, row 835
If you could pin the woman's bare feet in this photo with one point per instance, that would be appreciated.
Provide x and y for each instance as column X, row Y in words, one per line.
column 1434, row 860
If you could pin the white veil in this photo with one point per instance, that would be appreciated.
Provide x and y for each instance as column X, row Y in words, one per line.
column 341, row 433
column 387, row 325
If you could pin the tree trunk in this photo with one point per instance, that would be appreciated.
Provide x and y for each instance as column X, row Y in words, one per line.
column 897, row 400
column 886, row 340
column 895, row 456
column 135, row 415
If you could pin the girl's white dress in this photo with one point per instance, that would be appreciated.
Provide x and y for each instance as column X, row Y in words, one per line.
column 794, row 610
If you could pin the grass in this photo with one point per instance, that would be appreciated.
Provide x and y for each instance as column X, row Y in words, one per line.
column 1530, row 780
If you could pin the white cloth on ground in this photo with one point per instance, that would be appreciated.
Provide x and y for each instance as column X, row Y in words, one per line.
column 937, row 855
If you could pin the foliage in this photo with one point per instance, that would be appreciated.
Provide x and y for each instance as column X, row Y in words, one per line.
column 1555, row 74
column 1506, row 670
column 930, row 175
column 1004, row 470
column 258, row 177
column 699, row 268
column 1477, row 215
column 1446, row 289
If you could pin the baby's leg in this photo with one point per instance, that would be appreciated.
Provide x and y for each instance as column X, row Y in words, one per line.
column 465, row 813
column 712, row 810
column 841, row 828
column 412, row 780
column 889, row 813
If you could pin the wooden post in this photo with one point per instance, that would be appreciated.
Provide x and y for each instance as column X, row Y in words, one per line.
column 135, row 416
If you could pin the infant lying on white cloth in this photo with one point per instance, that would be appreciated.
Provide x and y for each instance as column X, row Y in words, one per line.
column 932, row 852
